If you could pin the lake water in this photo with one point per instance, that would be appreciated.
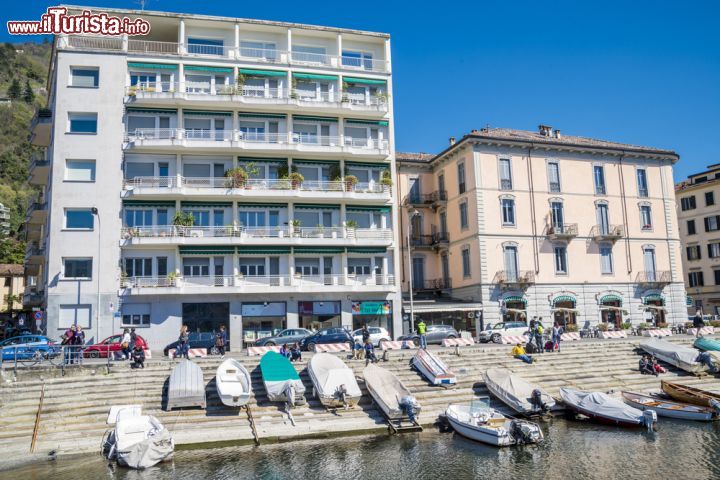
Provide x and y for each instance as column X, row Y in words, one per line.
column 572, row 450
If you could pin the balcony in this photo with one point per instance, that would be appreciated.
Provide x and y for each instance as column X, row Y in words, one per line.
column 654, row 279
column 422, row 241
column 35, row 254
column 273, row 143
column 564, row 232
column 37, row 213
column 231, row 235
column 33, row 296
column 434, row 284
column 435, row 199
column 33, row 232
column 233, row 284
column 515, row 280
column 370, row 192
column 41, row 127
column 607, row 233
column 39, row 171
column 441, row 240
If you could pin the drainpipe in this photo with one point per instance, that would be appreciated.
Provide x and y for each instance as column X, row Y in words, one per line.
column 533, row 222
column 628, row 258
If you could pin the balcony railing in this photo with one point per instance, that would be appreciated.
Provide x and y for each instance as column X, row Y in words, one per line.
column 426, row 199
column 303, row 58
column 607, row 233
column 505, row 184
column 242, row 232
column 441, row 239
column 434, row 284
column 654, row 277
column 367, row 64
column 564, row 231
column 150, row 46
column 263, row 54
column 261, row 281
column 513, row 279
column 421, row 241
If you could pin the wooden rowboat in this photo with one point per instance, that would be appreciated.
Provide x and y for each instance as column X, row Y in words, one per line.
column 667, row 408
column 688, row 394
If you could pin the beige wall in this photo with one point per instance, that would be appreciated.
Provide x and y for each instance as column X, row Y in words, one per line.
column 11, row 286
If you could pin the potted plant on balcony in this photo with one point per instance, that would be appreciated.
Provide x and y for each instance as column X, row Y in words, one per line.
column 320, row 230
column 382, row 96
column 296, row 227
column 239, row 84
column 350, row 227
column 350, row 182
column 183, row 220
column 237, row 177
column 296, row 179
column 172, row 278
column 344, row 98
column 293, row 89
column 386, row 179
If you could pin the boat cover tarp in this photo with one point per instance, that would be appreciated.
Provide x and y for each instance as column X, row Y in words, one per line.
column 513, row 390
column 329, row 372
column 678, row 355
column 151, row 451
column 386, row 388
column 278, row 373
column 186, row 387
column 601, row 404
column 707, row 344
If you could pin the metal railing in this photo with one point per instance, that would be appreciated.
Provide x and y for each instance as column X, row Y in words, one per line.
column 240, row 280
column 208, row 134
column 321, row 140
column 209, row 50
column 89, row 42
column 433, row 284
column 262, row 54
column 283, row 231
column 152, row 87
column 654, row 277
column 607, row 232
column 304, row 58
column 367, row 64
column 153, row 46
column 505, row 184
column 424, row 199
column 440, row 238
column 419, row 241
column 509, row 277
column 565, row 230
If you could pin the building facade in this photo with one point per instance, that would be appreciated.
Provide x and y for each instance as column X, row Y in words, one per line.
column 699, row 222
column 12, row 287
column 4, row 221
column 218, row 171
column 540, row 224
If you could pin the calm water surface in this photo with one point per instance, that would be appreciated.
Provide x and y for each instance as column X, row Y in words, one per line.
column 681, row 450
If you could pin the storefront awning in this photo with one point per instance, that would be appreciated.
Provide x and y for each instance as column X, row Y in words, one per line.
column 204, row 68
column 653, row 307
column 314, row 119
column 611, row 298
column 367, row 208
column 316, row 162
column 261, row 205
column 654, row 297
column 614, row 309
column 366, row 165
column 260, row 115
column 148, row 203
column 564, row 298
column 381, row 123
column 515, row 298
column 443, row 307
column 515, row 310
column 283, row 161
column 150, row 110
column 263, row 250
column 206, row 113
column 366, row 249
column 316, row 206
column 568, row 310
column 319, row 250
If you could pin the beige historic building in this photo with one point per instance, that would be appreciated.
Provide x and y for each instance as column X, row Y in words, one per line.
column 12, row 282
column 698, row 213
column 543, row 224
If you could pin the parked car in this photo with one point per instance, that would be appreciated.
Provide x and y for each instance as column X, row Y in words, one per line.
column 377, row 335
column 289, row 336
column 494, row 333
column 110, row 344
column 25, row 347
column 326, row 335
column 204, row 340
column 435, row 334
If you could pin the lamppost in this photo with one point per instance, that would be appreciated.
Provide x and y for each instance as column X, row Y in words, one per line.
column 94, row 211
column 412, row 213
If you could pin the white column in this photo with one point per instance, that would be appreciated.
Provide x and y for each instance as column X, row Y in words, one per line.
column 289, row 84
column 181, row 37
column 289, row 45
column 181, row 78
column 289, row 129
column 341, row 133
column 125, row 43
column 237, row 41
column 291, row 267
column 344, row 266
column 387, row 55
column 339, row 50
column 343, row 217
column 178, row 170
column 385, row 268
column 181, row 122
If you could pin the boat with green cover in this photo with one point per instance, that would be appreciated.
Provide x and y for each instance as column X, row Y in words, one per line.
column 282, row 382
column 707, row 344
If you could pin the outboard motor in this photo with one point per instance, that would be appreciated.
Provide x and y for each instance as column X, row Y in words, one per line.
column 519, row 434
column 409, row 406
column 341, row 394
column 537, row 402
column 649, row 419
column 290, row 395
column 715, row 405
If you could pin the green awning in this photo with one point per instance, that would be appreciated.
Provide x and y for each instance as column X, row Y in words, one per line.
column 207, row 250
column 159, row 66
column 284, row 161
column 262, row 250
column 610, row 298
column 207, row 113
column 316, row 206
column 261, row 115
column 316, row 162
column 367, row 165
column 264, row 73
column 368, row 208
column 653, row 297
column 314, row 76
column 366, row 250
column 261, row 205
column 148, row 203
column 321, row 250
column 564, row 298
column 205, row 204
column 689, row 301
column 314, row 119
column 203, row 68
column 515, row 298
column 150, row 110
column 381, row 123
column 366, row 81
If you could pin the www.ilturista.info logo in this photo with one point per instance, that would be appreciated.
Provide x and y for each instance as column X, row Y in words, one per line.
column 57, row 21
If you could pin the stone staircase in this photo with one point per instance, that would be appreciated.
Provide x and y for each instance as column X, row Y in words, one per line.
column 75, row 407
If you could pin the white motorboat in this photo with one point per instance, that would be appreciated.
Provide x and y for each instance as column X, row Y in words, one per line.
column 333, row 381
column 138, row 441
column 432, row 368
column 479, row 422
column 517, row 393
column 670, row 409
column 605, row 409
column 390, row 394
column 233, row 383
column 678, row 355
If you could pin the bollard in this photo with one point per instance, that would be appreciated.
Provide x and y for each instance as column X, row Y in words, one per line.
column 457, row 350
column 386, row 355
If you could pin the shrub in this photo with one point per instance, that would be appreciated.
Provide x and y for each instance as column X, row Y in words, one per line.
column 643, row 326
column 571, row 327
column 626, row 325
column 661, row 325
column 603, row 327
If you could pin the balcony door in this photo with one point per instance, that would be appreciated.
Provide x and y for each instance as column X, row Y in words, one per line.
column 511, row 263
column 414, row 189
column 649, row 264
column 445, row 269
column 418, row 274
column 443, row 222
column 603, row 221
column 558, row 215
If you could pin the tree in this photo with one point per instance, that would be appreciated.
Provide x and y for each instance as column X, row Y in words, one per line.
column 14, row 91
column 28, row 94
column 12, row 251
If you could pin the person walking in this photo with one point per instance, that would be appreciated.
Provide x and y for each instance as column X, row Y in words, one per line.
column 422, row 330
column 133, row 339
column 125, row 344
column 221, row 341
column 78, row 342
column 183, row 348
column 539, row 332
column 556, row 336
column 67, row 343
column 698, row 322
column 365, row 333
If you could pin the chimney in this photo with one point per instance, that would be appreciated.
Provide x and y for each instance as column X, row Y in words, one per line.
column 545, row 130
column 557, row 134
column 452, row 141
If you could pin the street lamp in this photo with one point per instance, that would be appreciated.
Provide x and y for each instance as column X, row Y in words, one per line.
column 412, row 213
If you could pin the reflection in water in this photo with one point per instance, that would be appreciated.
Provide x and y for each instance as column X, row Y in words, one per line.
column 571, row 450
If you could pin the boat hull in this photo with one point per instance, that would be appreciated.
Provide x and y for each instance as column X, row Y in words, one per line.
column 399, row 391
column 446, row 378
column 603, row 420
column 519, row 404
column 688, row 394
column 668, row 409
column 233, row 383
column 480, row 435
column 186, row 386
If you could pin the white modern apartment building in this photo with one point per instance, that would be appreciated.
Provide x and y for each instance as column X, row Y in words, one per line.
column 217, row 171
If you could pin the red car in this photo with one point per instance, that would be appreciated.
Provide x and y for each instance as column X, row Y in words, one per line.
column 110, row 344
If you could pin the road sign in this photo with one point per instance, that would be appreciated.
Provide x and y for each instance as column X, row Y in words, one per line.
column 38, row 315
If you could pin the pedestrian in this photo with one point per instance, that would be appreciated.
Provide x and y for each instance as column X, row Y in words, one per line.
column 519, row 353
column 183, row 347
column 285, row 351
column 533, row 322
column 133, row 339
column 125, row 344
column 221, row 341
column 539, row 332
column 370, row 353
column 557, row 332
column 138, row 357
column 67, row 342
column 698, row 322
column 705, row 359
column 365, row 333
column 78, row 342
column 358, row 350
column 295, row 353
column 422, row 330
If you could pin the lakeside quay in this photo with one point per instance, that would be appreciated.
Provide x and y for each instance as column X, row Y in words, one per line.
column 43, row 412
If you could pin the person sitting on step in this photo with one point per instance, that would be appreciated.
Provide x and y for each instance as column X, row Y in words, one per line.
column 656, row 366
column 295, row 353
column 285, row 351
column 646, row 367
column 138, row 357
column 519, row 353
column 358, row 350
column 370, row 353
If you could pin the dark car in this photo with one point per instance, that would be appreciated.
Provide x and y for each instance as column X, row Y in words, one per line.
column 326, row 335
column 434, row 334
column 204, row 340
column 27, row 347
column 289, row 336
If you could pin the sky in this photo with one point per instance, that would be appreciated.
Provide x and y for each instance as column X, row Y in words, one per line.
column 640, row 72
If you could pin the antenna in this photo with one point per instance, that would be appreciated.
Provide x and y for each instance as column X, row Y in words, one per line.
column 142, row 3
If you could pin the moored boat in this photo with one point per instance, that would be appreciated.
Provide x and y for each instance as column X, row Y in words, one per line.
column 333, row 381
column 233, row 383
column 481, row 423
column 667, row 408
column 186, row 387
column 687, row 394
column 432, row 368
column 281, row 380
column 707, row 344
column 605, row 409
column 138, row 441
column 517, row 393
column 678, row 355
column 390, row 394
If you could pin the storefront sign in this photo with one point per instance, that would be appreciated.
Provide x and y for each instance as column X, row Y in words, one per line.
column 319, row 308
column 372, row 308
column 270, row 309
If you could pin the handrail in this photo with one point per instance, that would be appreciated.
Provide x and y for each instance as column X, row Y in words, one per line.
column 284, row 280
column 162, row 231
